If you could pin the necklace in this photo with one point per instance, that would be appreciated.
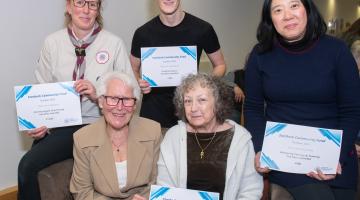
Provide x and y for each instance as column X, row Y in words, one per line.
column 116, row 146
column 202, row 152
column 118, row 140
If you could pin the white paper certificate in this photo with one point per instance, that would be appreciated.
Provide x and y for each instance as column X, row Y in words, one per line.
column 51, row 105
column 161, row 193
column 166, row 66
column 300, row 149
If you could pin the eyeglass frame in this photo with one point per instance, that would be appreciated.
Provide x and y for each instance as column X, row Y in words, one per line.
column 87, row 2
column 118, row 100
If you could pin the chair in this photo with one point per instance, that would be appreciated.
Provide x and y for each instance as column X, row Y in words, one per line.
column 54, row 181
column 279, row 193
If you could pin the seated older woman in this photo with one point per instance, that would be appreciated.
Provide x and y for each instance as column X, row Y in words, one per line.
column 205, row 151
column 116, row 156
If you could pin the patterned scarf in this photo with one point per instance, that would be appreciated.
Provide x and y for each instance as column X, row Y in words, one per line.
column 80, row 46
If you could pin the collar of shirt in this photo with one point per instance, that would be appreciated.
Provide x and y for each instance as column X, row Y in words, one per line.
column 81, row 41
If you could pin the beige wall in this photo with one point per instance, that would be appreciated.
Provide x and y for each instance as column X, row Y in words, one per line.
column 348, row 10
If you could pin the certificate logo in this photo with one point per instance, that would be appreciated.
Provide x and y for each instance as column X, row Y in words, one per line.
column 102, row 57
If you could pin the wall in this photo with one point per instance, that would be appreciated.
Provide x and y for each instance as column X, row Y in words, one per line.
column 25, row 24
column 348, row 10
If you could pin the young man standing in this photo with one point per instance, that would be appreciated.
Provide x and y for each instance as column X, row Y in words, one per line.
column 172, row 27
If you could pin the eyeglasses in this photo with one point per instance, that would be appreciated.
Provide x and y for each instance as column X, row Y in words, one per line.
column 113, row 101
column 92, row 5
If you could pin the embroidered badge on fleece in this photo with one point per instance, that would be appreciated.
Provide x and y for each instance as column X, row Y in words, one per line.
column 102, row 57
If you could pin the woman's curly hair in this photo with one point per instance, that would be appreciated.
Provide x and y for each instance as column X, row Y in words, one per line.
column 223, row 95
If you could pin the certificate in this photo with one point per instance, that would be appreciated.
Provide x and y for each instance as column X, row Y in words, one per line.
column 300, row 149
column 51, row 105
column 165, row 193
column 167, row 66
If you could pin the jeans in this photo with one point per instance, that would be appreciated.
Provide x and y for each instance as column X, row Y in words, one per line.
column 321, row 191
column 53, row 148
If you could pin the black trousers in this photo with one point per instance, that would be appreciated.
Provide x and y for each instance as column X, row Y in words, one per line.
column 321, row 191
column 53, row 148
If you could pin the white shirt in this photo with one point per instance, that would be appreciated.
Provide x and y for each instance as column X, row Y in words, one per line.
column 121, row 171
column 85, row 38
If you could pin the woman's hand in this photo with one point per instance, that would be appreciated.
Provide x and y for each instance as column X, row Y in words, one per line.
column 257, row 164
column 324, row 177
column 138, row 197
column 37, row 133
column 239, row 94
column 86, row 88
column 144, row 86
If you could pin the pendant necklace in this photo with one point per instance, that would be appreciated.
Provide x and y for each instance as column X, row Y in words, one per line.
column 118, row 139
column 202, row 152
column 116, row 146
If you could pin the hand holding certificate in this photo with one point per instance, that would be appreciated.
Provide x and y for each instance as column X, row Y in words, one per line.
column 160, row 193
column 300, row 149
column 51, row 105
column 166, row 66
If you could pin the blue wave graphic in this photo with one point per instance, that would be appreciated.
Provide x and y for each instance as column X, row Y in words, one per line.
column 277, row 128
column 335, row 137
column 267, row 160
column 149, row 80
column 206, row 196
column 69, row 88
column 160, row 192
column 25, row 123
column 23, row 92
column 191, row 52
column 147, row 53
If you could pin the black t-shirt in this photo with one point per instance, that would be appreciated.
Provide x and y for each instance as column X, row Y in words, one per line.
column 192, row 31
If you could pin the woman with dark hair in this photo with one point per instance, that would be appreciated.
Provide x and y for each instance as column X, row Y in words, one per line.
column 80, row 52
column 267, row 32
column 296, row 74
column 205, row 150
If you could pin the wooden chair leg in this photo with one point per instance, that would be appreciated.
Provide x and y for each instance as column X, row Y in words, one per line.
column 266, row 190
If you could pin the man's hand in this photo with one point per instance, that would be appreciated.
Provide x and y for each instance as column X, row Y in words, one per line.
column 144, row 86
column 239, row 94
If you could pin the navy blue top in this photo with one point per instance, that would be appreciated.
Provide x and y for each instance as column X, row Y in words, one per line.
column 318, row 87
